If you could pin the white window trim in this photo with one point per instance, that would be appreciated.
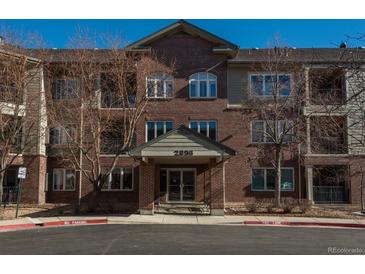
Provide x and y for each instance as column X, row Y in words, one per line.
column 208, row 88
column 121, row 181
column 207, row 123
column 156, row 79
column 269, row 74
column 265, row 135
column 155, row 127
column 265, row 180
column 63, row 170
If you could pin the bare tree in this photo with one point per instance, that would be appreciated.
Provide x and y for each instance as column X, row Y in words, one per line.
column 275, row 102
column 96, row 98
column 19, row 120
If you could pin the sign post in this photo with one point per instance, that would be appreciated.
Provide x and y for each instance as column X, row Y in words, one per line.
column 22, row 171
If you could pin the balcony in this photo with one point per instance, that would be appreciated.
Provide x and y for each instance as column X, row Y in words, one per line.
column 330, row 195
column 110, row 100
column 327, row 96
column 329, row 145
column 10, row 95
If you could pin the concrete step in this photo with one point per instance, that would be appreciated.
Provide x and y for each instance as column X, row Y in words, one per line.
column 183, row 208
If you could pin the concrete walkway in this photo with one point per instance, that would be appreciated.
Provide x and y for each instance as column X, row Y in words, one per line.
column 27, row 222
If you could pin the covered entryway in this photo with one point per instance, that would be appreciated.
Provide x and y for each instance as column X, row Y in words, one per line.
column 182, row 166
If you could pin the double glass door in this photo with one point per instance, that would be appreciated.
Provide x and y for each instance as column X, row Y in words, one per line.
column 181, row 184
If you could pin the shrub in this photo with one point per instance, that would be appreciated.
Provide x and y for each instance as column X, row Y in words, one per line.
column 269, row 205
column 304, row 205
column 251, row 206
column 288, row 204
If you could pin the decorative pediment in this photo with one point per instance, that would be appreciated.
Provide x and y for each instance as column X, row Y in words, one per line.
column 220, row 45
column 182, row 142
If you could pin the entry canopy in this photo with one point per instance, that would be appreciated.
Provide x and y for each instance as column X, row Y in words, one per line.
column 182, row 143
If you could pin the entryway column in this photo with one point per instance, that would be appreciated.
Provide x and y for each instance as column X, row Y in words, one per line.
column 146, row 188
column 216, row 188
column 309, row 179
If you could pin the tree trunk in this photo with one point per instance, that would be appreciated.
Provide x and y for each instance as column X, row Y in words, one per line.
column 362, row 192
column 2, row 176
column 278, row 176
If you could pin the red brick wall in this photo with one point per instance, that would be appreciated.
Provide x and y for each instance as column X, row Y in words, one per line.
column 33, row 188
column 147, row 187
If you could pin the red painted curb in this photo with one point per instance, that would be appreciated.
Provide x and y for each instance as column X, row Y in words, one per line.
column 15, row 227
column 303, row 224
column 76, row 222
column 54, row 223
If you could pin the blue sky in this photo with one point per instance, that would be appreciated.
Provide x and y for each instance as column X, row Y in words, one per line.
column 245, row 33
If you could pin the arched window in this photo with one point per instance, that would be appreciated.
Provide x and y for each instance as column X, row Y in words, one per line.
column 203, row 85
column 160, row 86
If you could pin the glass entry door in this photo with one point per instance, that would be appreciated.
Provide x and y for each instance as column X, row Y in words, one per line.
column 181, row 185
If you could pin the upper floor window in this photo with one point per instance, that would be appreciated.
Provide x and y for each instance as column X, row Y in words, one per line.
column 119, row 179
column 203, row 85
column 118, row 93
column 65, row 88
column 63, row 179
column 160, row 86
column 157, row 128
column 263, row 131
column 59, row 135
column 269, row 84
column 207, row 128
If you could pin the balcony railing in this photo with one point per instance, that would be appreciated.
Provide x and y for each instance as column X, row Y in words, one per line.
column 110, row 145
column 329, row 145
column 109, row 100
column 10, row 194
column 330, row 195
column 327, row 96
column 10, row 95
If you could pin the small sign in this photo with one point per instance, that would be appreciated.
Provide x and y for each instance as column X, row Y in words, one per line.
column 22, row 172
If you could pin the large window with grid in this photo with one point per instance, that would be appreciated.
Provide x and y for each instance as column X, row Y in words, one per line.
column 263, row 179
column 160, row 86
column 267, row 84
column 157, row 128
column 203, row 85
column 207, row 128
column 120, row 179
column 263, row 131
column 64, row 179
column 65, row 88
column 62, row 135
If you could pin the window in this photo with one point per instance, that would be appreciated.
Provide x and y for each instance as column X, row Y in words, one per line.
column 263, row 179
column 157, row 128
column 267, row 84
column 63, row 179
column 59, row 135
column 117, row 92
column 262, row 132
column 160, row 86
column 203, row 85
column 207, row 128
column 64, row 88
column 120, row 179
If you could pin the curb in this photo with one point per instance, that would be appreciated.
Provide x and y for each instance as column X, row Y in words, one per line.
column 52, row 223
column 17, row 227
column 287, row 223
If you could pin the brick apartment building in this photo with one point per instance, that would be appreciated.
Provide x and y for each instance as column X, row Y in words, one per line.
column 197, row 147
